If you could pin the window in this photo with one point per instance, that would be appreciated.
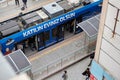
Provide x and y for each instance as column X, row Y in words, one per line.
column 47, row 35
column 54, row 32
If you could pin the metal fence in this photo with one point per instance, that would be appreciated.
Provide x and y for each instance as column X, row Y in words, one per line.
column 60, row 63
column 85, row 44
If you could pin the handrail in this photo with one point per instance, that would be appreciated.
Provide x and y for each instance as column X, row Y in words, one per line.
column 66, row 56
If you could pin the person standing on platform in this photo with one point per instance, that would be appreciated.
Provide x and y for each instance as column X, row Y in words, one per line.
column 24, row 3
column 7, row 51
column 17, row 2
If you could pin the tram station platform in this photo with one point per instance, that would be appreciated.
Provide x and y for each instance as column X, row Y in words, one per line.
column 58, row 56
column 9, row 10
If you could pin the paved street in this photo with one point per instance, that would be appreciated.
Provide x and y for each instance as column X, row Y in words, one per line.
column 74, row 72
column 10, row 10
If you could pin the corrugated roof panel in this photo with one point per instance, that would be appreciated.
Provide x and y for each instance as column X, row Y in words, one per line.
column 8, row 25
column 94, row 22
column 18, row 61
column 29, row 15
column 10, row 30
column 87, row 27
column 98, row 16
column 91, row 25
column 11, row 63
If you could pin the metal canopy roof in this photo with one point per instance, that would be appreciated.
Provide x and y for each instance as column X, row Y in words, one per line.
column 91, row 25
column 18, row 61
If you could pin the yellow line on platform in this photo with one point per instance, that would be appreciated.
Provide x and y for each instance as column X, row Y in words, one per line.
column 51, row 50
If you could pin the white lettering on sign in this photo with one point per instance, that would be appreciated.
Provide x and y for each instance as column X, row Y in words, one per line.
column 31, row 31
column 48, row 24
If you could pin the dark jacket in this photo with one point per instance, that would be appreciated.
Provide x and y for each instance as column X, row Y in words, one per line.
column 24, row 0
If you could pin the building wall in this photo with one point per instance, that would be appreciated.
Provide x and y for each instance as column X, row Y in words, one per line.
column 108, row 42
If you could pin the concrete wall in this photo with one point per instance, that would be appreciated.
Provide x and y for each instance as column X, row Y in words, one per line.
column 108, row 43
column 99, row 72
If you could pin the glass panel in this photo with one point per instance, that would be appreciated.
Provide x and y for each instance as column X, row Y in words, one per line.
column 79, row 19
column 54, row 32
column 71, row 26
column 41, row 40
column 47, row 36
column 60, row 31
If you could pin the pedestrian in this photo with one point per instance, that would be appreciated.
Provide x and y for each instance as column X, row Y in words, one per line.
column 24, row 3
column 65, row 76
column 17, row 2
column 86, row 73
column 7, row 51
column 91, row 57
column 32, row 43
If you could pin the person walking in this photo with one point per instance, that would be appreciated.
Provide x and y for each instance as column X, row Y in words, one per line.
column 87, row 73
column 17, row 2
column 24, row 3
column 65, row 76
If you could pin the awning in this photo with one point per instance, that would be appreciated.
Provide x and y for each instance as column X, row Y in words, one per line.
column 90, row 26
column 18, row 61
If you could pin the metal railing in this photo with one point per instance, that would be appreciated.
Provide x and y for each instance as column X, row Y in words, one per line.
column 85, row 46
column 60, row 63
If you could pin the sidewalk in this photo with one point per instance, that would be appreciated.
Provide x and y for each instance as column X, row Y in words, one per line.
column 10, row 10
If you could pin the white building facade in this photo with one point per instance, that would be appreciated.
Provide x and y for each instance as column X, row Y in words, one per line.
column 106, row 64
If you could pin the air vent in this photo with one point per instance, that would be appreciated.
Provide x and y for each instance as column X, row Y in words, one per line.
column 53, row 5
